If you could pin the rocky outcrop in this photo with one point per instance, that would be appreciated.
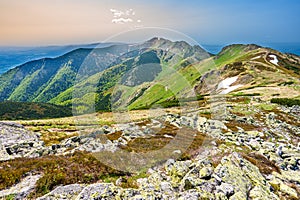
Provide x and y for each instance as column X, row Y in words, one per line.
column 244, row 165
column 16, row 141
column 233, row 178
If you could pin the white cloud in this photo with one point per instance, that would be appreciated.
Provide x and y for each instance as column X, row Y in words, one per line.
column 129, row 12
column 116, row 13
column 121, row 20
column 122, row 17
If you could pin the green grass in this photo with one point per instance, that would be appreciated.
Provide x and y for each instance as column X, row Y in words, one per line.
column 267, row 107
column 24, row 91
column 174, row 87
column 62, row 80
column 6, row 84
column 239, row 94
column 10, row 197
column 148, row 99
column 229, row 55
column 243, row 110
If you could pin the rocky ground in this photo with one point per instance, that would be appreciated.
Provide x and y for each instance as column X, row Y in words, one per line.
column 253, row 156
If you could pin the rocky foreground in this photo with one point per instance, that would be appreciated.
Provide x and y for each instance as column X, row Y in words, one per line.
column 241, row 158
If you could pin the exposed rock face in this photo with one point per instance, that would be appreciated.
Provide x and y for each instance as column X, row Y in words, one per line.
column 16, row 141
column 244, row 166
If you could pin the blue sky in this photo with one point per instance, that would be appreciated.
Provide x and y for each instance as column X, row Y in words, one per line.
column 35, row 22
column 230, row 21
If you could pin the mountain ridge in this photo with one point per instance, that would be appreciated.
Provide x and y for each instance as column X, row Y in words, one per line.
column 179, row 65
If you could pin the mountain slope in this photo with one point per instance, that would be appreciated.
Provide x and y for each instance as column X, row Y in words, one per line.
column 152, row 73
column 256, row 70
column 42, row 80
column 51, row 80
column 122, row 84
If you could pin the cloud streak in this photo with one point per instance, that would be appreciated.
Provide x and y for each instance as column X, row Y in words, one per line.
column 121, row 20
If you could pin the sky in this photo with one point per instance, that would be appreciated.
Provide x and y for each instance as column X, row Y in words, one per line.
column 57, row 22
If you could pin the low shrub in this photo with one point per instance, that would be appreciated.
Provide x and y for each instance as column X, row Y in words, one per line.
column 80, row 167
column 286, row 101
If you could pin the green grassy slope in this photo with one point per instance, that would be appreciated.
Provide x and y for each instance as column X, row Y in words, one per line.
column 44, row 79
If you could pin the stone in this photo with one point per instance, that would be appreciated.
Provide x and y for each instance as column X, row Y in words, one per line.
column 120, row 181
column 178, row 169
column 254, row 133
column 190, row 195
column 128, row 193
column 254, row 144
column 242, row 175
column 166, row 187
column 205, row 172
column 155, row 179
column 259, row 193
column 220, row 196
column 17, row 142
column 64, row 192
column 22, row 189
column 226, row 189
column 275, row 183
column 99, row 191
column 238, row 196
column 288, row 190
column 292, row 176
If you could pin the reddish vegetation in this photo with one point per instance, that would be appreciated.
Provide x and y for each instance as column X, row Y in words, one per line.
column 232, row 125
column 80, row 167
column 114, row 136
column 264, row 165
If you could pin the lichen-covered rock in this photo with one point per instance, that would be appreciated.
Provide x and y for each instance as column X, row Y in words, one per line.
column 202, row 177
column 226, row 189
column 288, row 190
column 177, row 170
column 129, row 193
column 99, row 191
column 243, row 176
column 205, row 172
column 64, row 192
column 259, row 193
column 292, row 176
column 190, row 194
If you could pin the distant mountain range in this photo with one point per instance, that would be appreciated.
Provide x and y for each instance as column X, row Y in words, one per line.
column 158, row 72
column 13, row 56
